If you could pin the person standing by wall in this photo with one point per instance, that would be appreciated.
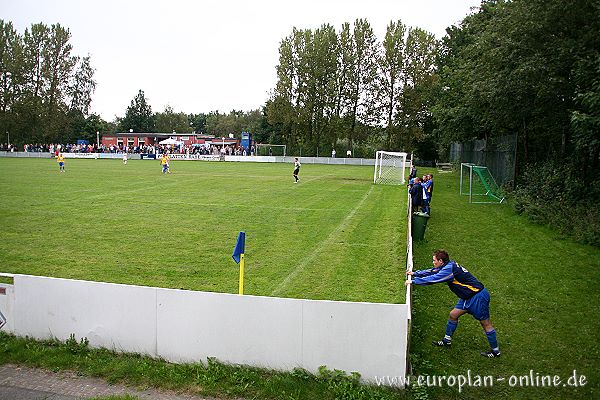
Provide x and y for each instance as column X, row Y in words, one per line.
column 426, row 198
column 416, row 195
column 473, row 297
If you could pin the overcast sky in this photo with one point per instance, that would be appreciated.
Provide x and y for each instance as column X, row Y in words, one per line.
column 201, row 56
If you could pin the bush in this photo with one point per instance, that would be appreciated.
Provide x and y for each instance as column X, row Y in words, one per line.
column 552, row 194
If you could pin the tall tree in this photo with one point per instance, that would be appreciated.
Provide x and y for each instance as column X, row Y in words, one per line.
column 419, row 79
column 56, row 71
column 197, row 122
column 362, row 77
column 82, row 87
column 325, row 69
column 169, row 121
column 391, row 80
column 281, row 108
column 139, row 115
column 11, row 71
column 42, row 96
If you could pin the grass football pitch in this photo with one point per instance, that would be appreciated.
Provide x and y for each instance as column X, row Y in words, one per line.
column 334, row 235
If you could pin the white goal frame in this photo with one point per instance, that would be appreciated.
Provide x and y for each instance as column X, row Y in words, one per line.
column 264, row 146
column 389, row 168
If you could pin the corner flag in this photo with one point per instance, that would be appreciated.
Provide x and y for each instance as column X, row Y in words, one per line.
column 239, row 247
column 238, row 257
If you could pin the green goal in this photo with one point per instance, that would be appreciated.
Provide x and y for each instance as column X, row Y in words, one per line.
column 482, row 187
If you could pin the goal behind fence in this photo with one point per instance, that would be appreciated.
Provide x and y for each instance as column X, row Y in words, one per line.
column 271, row 150
column 482, row 187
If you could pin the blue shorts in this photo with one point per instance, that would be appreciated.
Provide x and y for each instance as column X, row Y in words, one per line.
column 478, row 306
column 60, row 164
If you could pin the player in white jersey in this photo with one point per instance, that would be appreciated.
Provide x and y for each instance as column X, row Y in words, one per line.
column 296, row 169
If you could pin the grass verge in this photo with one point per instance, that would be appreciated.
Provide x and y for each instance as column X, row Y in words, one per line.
column 544, row 296
column 209, row 379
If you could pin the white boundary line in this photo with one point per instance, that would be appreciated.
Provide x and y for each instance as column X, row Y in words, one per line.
column 319, row 248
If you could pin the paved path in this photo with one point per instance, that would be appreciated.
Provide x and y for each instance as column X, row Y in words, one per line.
column 22, row 383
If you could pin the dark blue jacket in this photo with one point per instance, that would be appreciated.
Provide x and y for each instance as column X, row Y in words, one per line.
column 459, row 280
column 416, row 195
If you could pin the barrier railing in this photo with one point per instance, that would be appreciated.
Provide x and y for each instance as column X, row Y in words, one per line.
column 409, row 268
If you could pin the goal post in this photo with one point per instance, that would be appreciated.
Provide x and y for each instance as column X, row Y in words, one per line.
column 271, row 149
column 481, row 184
column 389, row 168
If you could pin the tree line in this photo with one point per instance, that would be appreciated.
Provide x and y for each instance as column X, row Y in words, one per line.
column 347, row 89
column 46, row 92
column 530, row 68
column 520, row 67
column 139, row 117
column 45, row 89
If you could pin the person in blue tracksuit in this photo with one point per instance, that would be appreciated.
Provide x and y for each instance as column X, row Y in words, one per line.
column 429, row 189
column 416, row 194
column 473, row 297
column 430, row 186
column 426, row 194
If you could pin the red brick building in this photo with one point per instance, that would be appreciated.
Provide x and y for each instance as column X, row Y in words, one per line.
column 132, row 139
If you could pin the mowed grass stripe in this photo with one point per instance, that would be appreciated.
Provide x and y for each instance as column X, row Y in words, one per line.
column 104, row 221
column 322, row 246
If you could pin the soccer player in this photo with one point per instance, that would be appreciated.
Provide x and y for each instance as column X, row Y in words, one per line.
column 296, row 169
column 473, row 297
column 125, row 158
column 164, row 161
column 60, row 158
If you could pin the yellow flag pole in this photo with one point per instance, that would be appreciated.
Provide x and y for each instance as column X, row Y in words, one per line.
column 242, row 273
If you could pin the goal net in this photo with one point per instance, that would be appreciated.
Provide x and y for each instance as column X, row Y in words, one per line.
column 271, row 150
column 389, row 168
column 477, row 182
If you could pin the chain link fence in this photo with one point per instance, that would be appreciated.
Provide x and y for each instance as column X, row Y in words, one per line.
column 497, row 154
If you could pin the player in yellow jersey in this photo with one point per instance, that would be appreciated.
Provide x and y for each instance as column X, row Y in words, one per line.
column 164, row 161
column 60, row 158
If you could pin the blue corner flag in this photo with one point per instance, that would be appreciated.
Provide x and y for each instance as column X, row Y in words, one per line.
column 239, row 247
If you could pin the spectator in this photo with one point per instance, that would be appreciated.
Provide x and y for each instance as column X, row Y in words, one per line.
column 426, row 198
column 413, row 172
column 416, row 195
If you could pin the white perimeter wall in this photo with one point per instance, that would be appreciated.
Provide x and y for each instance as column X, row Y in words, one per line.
column 188, row 326
column 259, row 159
